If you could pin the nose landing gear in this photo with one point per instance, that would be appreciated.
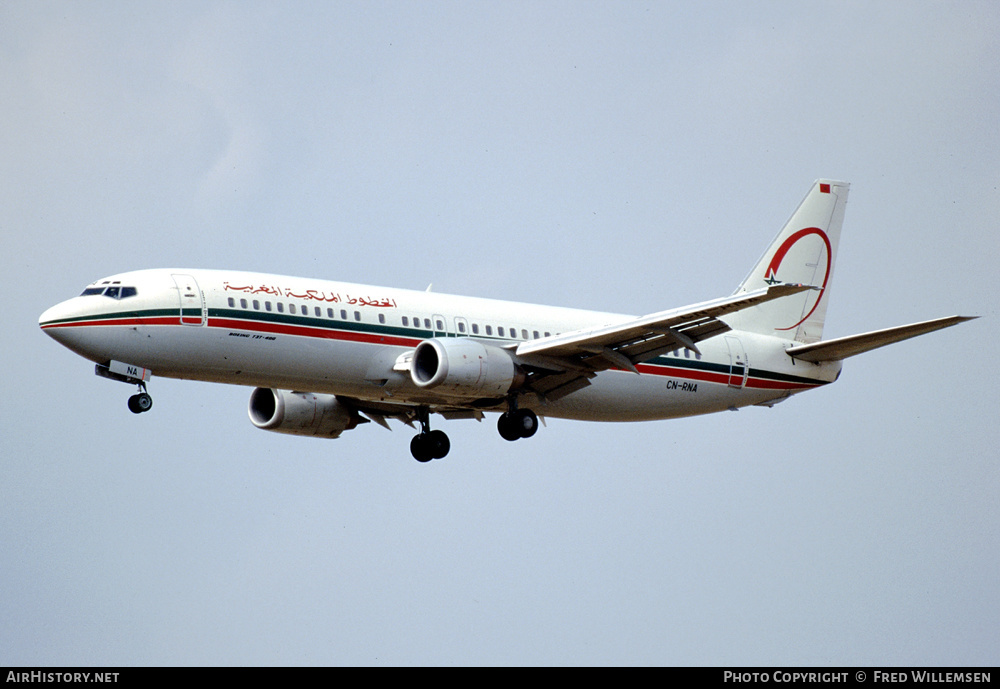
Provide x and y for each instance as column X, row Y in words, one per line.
column 141, row 402
column 133, row 375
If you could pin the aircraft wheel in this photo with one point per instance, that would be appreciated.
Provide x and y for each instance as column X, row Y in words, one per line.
column 439, row 444
column 421, row 448
column 526, row 422
column 140, row 403
column 507, row 426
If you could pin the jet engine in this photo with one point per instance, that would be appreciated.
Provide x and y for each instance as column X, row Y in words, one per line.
column 463, row 367
column 301, row 413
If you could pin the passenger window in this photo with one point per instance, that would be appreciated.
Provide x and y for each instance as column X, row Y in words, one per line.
column 357, row 315
column 243, row 303
column 546, row 333
column 406, row 321
column 267, row 306
column 256, row 305
column 232, row 302
column 500, row 331
column 475, row 329
column 329, row 313
column 381, row 318
column 489, row 329
column 427, row 323
column 440, row 325
column 524, row 334
column 461, row 327
column 343, row 314
column 281, row 307
column 535, row 333
column 291, row 308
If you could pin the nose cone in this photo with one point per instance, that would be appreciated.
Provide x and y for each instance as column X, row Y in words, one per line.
column 52, row 318
column 66, row 324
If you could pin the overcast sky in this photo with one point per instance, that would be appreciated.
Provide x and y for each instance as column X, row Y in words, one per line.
column 618, row 156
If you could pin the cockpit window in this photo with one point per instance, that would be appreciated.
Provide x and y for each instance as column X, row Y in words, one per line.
column 114, row 292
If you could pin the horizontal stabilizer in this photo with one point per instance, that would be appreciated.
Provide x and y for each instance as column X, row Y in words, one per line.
column 843, row 347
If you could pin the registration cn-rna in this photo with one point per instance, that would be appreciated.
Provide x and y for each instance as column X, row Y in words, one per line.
column 325, row 356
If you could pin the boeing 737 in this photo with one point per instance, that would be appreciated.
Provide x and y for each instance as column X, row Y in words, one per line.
column 326, row 356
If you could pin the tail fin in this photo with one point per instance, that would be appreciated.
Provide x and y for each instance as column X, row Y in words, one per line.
column 803, row 253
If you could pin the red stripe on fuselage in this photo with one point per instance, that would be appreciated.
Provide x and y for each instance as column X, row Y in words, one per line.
column 721, row 378
column 308, row 331
column 157, row 320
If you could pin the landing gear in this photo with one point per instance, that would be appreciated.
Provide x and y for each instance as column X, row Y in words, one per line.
column 517, row 423
column 133, row 375
column 141, row 402
column 137, row 404
column 428, row 444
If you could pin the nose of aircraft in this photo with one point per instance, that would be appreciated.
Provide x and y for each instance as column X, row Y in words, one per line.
column 63, row 322
column 52, row 316
column 53, row 320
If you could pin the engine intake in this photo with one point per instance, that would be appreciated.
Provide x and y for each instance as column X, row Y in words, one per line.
column 464, row 368
column 301, row 413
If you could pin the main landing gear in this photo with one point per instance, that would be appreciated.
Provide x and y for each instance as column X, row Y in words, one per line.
column 428, row 444
column 517, row 423
column 513, row 424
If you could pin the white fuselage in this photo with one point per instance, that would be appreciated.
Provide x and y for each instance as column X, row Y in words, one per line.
column 346, row 339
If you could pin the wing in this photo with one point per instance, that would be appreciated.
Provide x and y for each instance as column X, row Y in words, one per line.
column 565, row 363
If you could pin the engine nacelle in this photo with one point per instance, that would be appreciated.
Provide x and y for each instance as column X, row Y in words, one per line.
column 301, row 413
column 463, row 367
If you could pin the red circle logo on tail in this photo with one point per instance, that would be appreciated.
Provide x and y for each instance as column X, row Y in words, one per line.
column 779, row 255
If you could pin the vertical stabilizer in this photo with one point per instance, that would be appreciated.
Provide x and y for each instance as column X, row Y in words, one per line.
column 804, row 252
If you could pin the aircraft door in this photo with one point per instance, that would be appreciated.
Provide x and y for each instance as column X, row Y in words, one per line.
column 192, row 300
column 738, row 367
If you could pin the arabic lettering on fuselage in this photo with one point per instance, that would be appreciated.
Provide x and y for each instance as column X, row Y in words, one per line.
column 315, row 295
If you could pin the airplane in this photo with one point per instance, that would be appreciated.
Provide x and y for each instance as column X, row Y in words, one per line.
column 324, row 357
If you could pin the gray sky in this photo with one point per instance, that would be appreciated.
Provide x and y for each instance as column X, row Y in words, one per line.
column 617, row 156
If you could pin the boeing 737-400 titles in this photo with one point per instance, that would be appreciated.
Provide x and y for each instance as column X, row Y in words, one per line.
column 324, row 357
